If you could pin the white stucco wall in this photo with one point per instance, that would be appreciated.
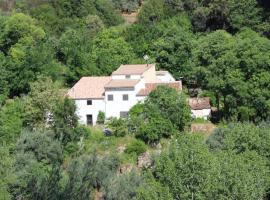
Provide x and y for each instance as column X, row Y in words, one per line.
column 166, row 78
column 83, row 109
column 113, row 108
column 149, row 76
column 205, row 113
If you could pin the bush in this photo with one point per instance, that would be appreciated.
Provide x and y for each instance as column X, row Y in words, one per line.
column 118, row 126
column 81, row 131
column 156, row 128
column 101, row 117
column 122, row 187
column 136, row 147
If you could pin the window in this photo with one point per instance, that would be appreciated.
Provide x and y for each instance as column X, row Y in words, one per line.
column 89, row 102
column 110, row 97
column 123, row 114
column 127, row 76
column 125, row 97
column 89, row 120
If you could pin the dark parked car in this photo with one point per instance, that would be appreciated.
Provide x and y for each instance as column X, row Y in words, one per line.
column 107, row 132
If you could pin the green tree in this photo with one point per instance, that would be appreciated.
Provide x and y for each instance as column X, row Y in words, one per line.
column 122, row 187
column 11, row 120
column 154, row 128
column 245, row 14
column 110, row 51
column 240, row 138
column 36, row 157
column 242, row 176
column 152, row 12
column 151, row 189
column 6, row 172
column 64, row 120
column 172, row 50
column 119, row 126
column 101, row 117
column 171, row 104
column 74, row 48
column 40, row 101
column 189, row 170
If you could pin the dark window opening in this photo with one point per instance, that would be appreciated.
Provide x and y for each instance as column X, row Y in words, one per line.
column 124, row 114
column 89, row 102
column 89, row 120
column 110, row 97
column 127, row 76
column 125, row 97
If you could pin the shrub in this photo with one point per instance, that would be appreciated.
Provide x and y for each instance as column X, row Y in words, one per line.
column 118, row 126
column 137, row 147
column 122, row 187
column 153, row 130
column 81, row 131
column 101, row 117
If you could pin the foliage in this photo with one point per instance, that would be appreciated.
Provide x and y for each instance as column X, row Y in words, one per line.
column 163, row 113
column 171, row 104
column 110, row 50
column 152, row 12
column 39, row 103
column 64, row 120
column 118, row 126
column 152, row 190
column 127, row 5
column 6, row 172
column 250, row 169
column 136, row 147
column 219, row 47
column 240, row 138
column 188, row 169
column 37, row 158
column 222, row 69
column 11, row 121
column 101, row 117
column 154, row 129
column 123, row 187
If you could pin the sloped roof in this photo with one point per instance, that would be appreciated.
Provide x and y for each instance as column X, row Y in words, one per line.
column 199, row 103
column 89, row 88
column 132, row 69
column 161, row 72
column 121, row 83
column 149, row 87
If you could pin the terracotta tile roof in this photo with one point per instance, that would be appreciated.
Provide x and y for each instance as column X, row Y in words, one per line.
column 132, row 69
column 121, row 83
column 89, row 88
column 199, row 103
column 149, row 87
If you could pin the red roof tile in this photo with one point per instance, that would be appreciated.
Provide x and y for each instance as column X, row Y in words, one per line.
column 132, row 69
column 149, row 87
column 89, row 88
column 121, row 83
column 199, row 103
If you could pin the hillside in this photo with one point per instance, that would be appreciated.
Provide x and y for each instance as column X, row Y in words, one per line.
column 219, row 49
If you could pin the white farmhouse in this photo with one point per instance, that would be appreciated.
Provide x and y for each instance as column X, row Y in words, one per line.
column 200, row 107
column 116, row 94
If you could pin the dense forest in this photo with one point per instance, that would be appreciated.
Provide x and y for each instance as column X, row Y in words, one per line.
column 218, row 48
